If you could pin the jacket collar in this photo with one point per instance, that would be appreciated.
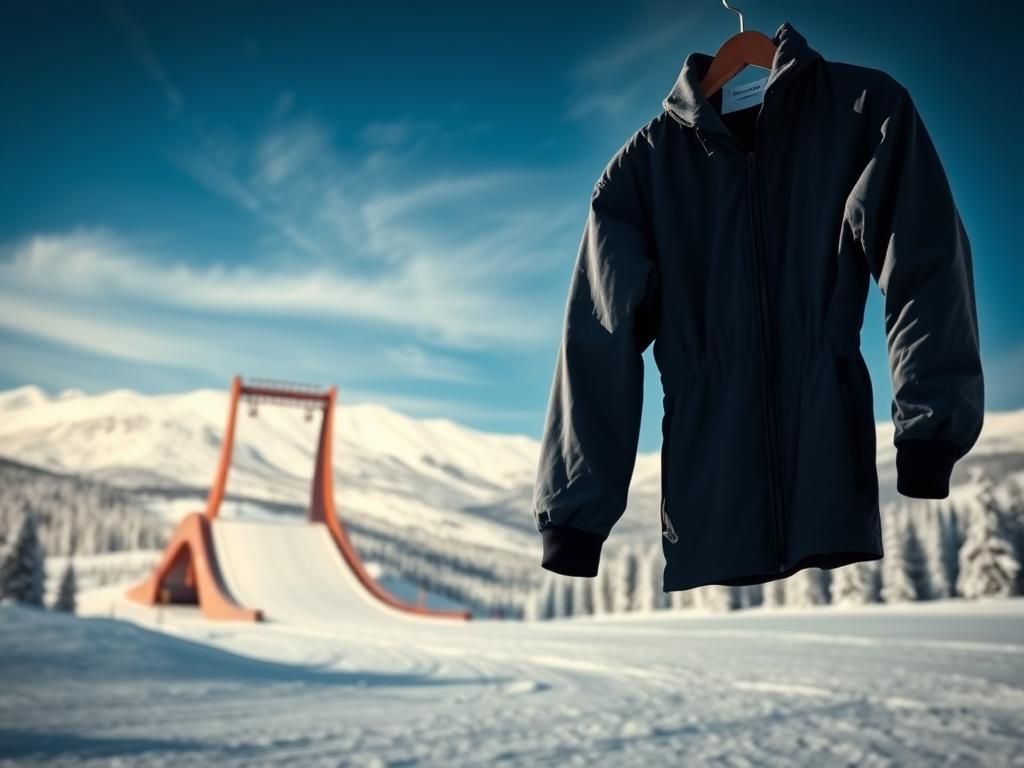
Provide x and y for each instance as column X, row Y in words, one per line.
column 689, row 105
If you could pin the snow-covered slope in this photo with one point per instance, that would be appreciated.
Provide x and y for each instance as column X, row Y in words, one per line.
column 921, row 685
column 431, row 474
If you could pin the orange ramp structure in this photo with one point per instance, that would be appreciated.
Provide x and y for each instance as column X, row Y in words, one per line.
column 228, row 587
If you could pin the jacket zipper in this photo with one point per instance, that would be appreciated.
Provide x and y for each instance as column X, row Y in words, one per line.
column 768, row 359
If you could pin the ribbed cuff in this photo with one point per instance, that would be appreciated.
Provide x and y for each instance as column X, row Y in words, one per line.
column 571, row 551
column 923, row 467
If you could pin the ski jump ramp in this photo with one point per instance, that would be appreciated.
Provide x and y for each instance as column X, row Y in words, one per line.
column 295, row 573
column 241, row 570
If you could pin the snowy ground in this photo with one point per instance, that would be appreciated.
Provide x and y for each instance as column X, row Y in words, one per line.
column 929, row 684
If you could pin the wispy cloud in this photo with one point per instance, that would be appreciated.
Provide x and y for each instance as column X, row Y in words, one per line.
column 75, row 328
column 442, row 255
column 146, row 55
column 88, row 292
column 425, row 299
column 418, row 363
column 424, row 406
column 373, row 245
column 212, row 162
column 618, row 78
column 606, row 102
column 627, row 56
column 396, row 132
column 374, row 212
column 53, row 366
column 447, row 254
column 434, row 193
column 291, row 152
column 412, row 274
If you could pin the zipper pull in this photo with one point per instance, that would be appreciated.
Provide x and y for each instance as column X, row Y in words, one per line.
column 703, row 141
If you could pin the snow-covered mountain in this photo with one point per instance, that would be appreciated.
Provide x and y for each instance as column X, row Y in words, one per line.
column 429, row 473
column 432, row 475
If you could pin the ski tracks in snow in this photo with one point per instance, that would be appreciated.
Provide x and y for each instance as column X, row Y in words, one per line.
column 873, row 687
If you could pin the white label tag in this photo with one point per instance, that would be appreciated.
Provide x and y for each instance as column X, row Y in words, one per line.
column 741, row 96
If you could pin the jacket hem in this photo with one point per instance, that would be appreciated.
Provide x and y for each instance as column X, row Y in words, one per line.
column 571, row 551
column 823, row 560
column 924, row 466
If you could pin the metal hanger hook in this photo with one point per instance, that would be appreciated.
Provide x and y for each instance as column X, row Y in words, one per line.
column 737, row 11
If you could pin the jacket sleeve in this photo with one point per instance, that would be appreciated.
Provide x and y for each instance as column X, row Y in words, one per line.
column 591, row 432
column 902, row 211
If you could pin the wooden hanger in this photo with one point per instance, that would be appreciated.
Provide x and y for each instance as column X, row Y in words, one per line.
column 738, row 51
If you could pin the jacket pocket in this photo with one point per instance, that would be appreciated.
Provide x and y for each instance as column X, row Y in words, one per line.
column 667, row 529
column 856, row 438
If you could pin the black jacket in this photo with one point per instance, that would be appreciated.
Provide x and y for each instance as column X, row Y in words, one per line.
column 745, row 256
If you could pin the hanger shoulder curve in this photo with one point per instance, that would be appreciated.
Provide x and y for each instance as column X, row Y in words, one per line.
column 735, row 53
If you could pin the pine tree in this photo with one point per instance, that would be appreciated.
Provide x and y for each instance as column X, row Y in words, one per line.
column 933, row 536
column 568, row 596
column 916, row 563
column 897, row 586
column 714, row 597
column 773, row 593
column 805, row 588
column 625, row 582
column 953, row 541
column 562, row 588
column 583, row 595
column 680, row 599
column 603, row 589
column 22, row 573
column 730, row 597
column 67, row 592
column 535, row 606
column 650, row 596
column 988, row 564
column 874, row 568
column 852, row 585
column 749, row 595
column 1015, row 517
column 531, row 607
column 543, row 603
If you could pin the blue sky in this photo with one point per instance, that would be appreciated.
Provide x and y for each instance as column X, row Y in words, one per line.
column 390, row 196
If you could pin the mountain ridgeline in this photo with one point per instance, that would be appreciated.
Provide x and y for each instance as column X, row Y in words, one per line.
column 446, row 506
